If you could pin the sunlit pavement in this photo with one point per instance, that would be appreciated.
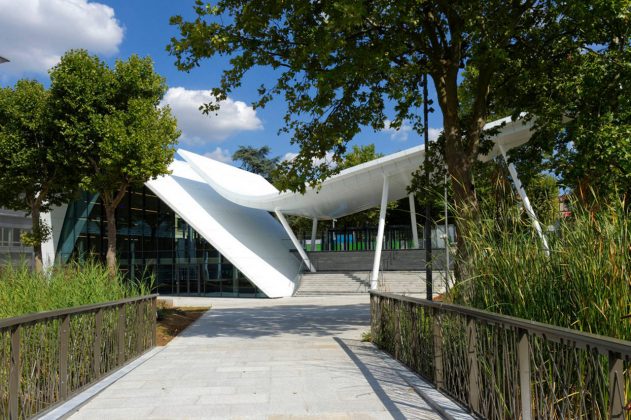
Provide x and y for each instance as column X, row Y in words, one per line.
column 264, row 358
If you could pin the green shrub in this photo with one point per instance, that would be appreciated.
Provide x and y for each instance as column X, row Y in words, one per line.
column 23, row 291
column 584, row 284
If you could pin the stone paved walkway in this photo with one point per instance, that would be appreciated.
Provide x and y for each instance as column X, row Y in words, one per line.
column 275, row 359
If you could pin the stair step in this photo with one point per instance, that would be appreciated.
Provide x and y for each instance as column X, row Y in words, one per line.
column 358, row 282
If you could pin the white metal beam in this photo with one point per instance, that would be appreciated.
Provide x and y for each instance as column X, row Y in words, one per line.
column 295, row 241
column 382, row 224
column 413, row 222
column 524, row 198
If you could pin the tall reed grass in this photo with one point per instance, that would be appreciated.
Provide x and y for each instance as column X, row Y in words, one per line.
column 584, row 284
column 23, row 291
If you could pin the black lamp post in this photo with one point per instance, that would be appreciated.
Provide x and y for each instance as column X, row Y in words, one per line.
column 428, row 207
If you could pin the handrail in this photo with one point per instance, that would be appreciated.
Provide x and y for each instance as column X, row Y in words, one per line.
column 58, row 313
column 47, row 357
column 584, row 338
column 501, row 366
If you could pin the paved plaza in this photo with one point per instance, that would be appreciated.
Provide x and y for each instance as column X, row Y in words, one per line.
column 285, row 358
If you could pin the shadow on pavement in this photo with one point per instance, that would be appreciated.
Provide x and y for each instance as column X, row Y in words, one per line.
column 400, row 399
column 303, row 320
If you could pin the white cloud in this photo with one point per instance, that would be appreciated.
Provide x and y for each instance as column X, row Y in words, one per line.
column 222, row 155
column 289, row 156
column 404, row 132
column 433, row 133
column 198, row 128
column 328, row 158
column 34, row 34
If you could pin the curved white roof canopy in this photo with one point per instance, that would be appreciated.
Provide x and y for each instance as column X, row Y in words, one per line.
column 351, row 191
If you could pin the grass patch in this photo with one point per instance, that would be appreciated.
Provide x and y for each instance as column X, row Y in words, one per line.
column 584, row 284
column 23, row 291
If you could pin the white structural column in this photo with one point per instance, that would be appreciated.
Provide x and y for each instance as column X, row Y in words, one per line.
column 524, row 198
column 295, row 241
column 48, row 246
column 314, row 232
column 413, row 222
column 382, row 225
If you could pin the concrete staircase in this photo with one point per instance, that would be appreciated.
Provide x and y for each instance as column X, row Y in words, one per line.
column 391, row 260
column 327, row 283
column 353, row 282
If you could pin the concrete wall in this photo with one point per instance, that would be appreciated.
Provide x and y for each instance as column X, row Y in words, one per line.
column 391, row 260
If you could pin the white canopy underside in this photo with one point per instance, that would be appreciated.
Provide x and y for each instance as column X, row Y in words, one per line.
column 351, row 191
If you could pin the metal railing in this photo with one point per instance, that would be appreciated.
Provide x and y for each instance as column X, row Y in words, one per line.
column 502, row 367
column 364, row 239
column 395, row 237
column 359, row 239
column 47, row 357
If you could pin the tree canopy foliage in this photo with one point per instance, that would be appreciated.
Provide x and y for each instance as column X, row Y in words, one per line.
column 583, row 107
column 256, row 160
column 111, row 124
column 34, row 168
column 340, row 62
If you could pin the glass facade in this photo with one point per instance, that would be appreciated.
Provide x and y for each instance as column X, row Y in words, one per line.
column 152, row 240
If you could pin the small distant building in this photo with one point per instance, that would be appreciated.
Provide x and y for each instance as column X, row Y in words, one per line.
column 12, row 225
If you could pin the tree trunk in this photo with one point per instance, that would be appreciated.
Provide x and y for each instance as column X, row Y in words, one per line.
column 38, row 264
column 110, row 202
column 461, row 152
column 460, row 165
column 110, row 214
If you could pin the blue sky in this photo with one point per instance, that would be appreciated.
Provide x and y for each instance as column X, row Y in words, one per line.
column 34, row 33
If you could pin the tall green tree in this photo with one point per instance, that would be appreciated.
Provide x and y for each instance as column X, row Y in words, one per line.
column 358, row 155
column 341, row 63
column 34, row 170
column 583, row 109
column 256, row 160
column 113, row 126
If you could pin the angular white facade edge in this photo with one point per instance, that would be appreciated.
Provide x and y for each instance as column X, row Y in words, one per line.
column 252, row 240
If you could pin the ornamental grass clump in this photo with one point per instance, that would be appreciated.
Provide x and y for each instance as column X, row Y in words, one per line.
column 584, row 284
column 24, row 291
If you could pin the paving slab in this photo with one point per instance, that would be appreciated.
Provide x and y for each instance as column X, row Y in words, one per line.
column 268, row 359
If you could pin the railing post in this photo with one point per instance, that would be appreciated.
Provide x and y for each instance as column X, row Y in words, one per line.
column 398, row 343
column 14, row 373
column 472, row 353
column 438, row 348
column 120, row 333
column 96, row 346
column 140, row 325
column 152, row 321
column 64, row 338
column 616, row 386
column 523, row 355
